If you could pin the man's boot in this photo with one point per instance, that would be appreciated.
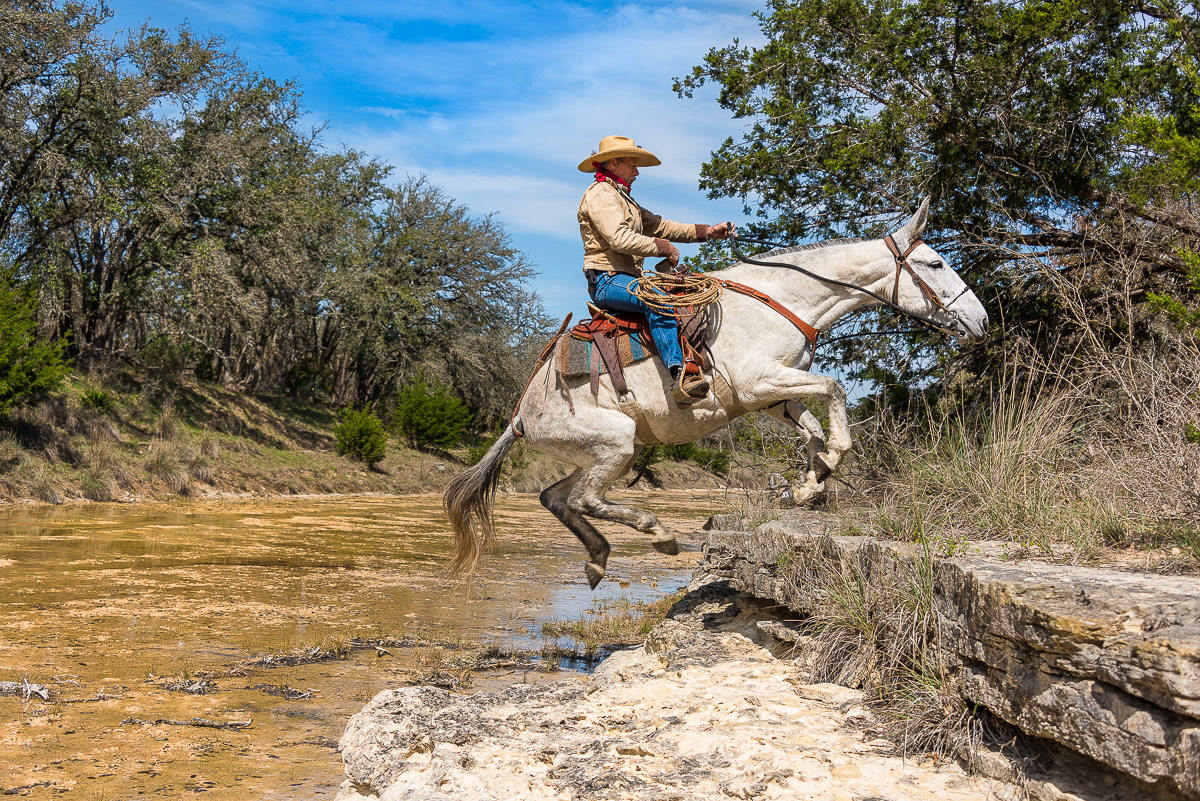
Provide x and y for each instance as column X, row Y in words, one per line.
column 687, row 389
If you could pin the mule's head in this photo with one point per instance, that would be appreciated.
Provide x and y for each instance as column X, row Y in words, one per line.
column 944, row 298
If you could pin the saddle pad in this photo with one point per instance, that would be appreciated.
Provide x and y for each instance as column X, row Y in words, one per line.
column 574, row 356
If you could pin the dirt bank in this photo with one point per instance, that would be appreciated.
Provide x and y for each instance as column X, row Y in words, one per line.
column 204, row 441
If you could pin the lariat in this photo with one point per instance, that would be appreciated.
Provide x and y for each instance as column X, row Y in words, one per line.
column 668, row 293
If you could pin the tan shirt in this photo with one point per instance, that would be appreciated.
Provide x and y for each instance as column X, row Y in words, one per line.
column 618, row 234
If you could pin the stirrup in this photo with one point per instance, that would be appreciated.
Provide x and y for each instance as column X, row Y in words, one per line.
column 689, row 389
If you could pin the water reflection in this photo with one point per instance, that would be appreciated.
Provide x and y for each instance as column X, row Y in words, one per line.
column 101, row 602
column 377, row 560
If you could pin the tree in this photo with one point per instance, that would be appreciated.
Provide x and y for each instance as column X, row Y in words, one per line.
column 430, row 417
column 30, row 366
column 1051, row 135
column 175, row 213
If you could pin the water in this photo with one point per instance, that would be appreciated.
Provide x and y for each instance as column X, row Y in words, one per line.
column 110, row 605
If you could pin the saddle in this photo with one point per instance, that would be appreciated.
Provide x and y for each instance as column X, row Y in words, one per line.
column 609, row 342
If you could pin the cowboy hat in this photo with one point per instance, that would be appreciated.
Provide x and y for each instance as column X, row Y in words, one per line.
column 618, row 147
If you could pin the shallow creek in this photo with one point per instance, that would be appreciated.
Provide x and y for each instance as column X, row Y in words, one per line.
column 111, row 606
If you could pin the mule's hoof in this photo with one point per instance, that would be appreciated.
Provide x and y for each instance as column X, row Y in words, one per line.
column 669, row 547
column 822, row 467
column 594, row 573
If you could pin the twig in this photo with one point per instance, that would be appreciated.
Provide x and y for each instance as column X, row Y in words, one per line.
column 201, row 722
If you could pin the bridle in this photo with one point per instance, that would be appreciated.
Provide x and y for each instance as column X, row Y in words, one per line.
column 955, row 326
column 902, row 263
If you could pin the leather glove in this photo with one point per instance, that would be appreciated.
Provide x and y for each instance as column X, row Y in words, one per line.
column 671, row 252
column 720, row 230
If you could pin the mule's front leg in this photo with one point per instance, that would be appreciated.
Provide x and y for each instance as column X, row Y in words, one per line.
column 805, row 423
column 788, row 384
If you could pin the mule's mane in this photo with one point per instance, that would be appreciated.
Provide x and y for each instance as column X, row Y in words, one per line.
column 829, row 243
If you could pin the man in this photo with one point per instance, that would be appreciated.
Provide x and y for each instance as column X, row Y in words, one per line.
column 618, row 235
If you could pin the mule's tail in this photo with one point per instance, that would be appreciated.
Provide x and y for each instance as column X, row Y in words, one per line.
column 468, row 501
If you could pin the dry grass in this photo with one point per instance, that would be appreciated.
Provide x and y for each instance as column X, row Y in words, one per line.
column 11, row 453
column 209, row 447
column 167, row 426
column 207, row 440
column 45, row 488
column 166, row 461
column 99, row 486
column 879, row 630
column 1038, row 469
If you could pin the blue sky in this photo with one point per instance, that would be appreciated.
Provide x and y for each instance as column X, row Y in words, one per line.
column 498, row 102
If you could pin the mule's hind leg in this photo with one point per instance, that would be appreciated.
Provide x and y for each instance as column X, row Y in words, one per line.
column 554, row 498
column 587, row 498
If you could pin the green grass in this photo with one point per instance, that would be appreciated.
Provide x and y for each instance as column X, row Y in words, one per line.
column 606, row 625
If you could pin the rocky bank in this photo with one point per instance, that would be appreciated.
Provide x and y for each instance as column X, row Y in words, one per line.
column 701, row 711
column 1100, row 668
column 1103, row 662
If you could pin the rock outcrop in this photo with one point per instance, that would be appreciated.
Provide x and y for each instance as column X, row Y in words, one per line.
column 700, row 712
column 1105, row 662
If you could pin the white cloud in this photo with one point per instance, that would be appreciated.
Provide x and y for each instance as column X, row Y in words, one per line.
column 497, row 102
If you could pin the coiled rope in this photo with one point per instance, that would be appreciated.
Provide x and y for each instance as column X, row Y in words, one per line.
column 665, row 293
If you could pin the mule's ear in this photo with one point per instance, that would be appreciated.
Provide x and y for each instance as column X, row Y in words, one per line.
column 914, row 229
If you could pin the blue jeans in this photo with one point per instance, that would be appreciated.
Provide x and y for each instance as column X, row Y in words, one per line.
column 611, row 292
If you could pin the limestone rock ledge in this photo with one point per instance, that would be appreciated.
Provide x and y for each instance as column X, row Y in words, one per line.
column 699, row 712
column 1104, row 662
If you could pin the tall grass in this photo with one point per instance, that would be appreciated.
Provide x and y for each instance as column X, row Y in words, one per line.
column 1019, row 471
column 167, row 462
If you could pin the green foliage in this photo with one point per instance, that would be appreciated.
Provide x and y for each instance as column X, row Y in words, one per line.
column 30, row 366
column 851, row 96
column 1188, row 537
column 360, row 435
column 1056, row 140
column 479, row 450
column 430, row 417
column 176, row 211
column 708, row 458
column 1191, row 433
column 100, row 400
column 1172, row 305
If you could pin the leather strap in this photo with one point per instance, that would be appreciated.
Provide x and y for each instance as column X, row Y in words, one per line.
column 810, row 333
column 594, row 365
column 902, row 263
column 607, row 346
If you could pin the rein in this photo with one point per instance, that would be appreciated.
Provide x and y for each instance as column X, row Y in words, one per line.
column 901, row 263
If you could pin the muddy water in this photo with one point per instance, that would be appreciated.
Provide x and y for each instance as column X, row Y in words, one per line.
column 115, row 608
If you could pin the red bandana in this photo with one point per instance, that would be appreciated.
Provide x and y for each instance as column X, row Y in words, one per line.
column 603, row 175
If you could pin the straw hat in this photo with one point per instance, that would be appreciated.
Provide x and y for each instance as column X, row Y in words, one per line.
column 617, row 147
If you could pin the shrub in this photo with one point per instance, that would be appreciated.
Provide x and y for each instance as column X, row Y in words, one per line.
column 714, row 460
column 360, row 435
column 100, row 400
column 29, row 366
column 430, row 418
